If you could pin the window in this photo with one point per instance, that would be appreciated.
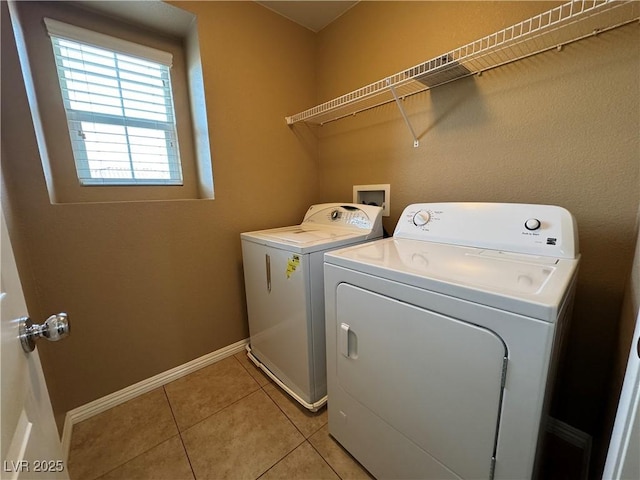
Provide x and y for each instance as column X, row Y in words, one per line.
column 119, row 107
column 156, row 159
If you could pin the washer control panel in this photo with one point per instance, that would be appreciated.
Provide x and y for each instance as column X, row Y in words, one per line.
column 346, row 215
column 522, row 228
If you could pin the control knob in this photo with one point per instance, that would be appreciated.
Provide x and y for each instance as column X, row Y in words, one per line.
column 421, row 218
column 532, row 224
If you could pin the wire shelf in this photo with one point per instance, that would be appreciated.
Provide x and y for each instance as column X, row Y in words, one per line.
column 554, row 28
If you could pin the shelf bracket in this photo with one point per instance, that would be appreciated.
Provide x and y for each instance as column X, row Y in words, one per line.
column 416, row 142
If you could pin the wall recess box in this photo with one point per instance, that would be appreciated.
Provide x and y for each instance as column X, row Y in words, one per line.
column 374, row 195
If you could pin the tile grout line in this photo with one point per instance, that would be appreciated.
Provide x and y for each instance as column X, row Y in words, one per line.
column 287, row 416
column 295, row 426
column 145, row 451
column 283, row 413
column 260, row 387
column 301, row 433
column 218, row 411
column 283, row 457
column 184, row 447
column 180, row 432
column 304, row 439
column 132, row 459
column 324, row 459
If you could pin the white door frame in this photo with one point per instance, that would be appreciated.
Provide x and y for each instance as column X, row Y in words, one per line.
column 624, row 448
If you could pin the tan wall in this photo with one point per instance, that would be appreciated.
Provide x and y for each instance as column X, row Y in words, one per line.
column 151, row 285
column 559, row 128
column 628, row 318
column 630, row 309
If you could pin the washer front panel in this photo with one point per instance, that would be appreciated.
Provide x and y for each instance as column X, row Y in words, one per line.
column 278, row 305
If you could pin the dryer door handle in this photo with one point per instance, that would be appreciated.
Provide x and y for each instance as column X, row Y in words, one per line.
column 343, row 340
column 348, row 342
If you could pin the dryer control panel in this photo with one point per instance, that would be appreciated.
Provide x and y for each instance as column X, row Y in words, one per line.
column 521, row 228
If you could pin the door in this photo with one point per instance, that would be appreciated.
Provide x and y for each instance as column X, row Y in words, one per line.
column 435, row 380
column 623, row 461
column 30, row 443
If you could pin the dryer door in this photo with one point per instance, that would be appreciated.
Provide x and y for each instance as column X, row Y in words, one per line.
column 436, row 381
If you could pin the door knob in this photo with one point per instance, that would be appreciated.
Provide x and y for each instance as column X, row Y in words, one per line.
column 55, row 328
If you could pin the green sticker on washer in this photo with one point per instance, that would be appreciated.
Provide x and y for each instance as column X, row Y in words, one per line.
column 292, row 264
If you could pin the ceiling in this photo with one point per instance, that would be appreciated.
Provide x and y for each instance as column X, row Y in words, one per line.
column 312, row 14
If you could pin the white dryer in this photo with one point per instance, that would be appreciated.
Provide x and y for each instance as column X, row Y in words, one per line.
column 441, row 341
column 283, row 273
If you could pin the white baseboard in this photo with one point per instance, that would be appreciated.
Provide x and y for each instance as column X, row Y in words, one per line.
column 100, row 405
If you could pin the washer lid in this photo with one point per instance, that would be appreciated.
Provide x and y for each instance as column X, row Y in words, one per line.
column 326, row 225
column 303, row 235
column 307, row 239
column 530, row 285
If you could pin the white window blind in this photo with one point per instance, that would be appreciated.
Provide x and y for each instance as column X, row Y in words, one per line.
column 119, row 107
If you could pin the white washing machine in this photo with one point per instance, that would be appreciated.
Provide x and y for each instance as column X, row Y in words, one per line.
column 283, row 273
column 441, row 340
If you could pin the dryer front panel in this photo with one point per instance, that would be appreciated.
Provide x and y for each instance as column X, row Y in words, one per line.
column 435, row 380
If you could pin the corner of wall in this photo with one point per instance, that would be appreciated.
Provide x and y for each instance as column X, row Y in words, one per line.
column 199, row 113
column 25, row 67
column 626, row 327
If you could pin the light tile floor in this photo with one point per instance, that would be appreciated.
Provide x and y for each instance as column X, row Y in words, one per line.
column 224, row 421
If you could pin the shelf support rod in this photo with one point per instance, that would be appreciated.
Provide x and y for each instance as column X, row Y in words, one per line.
column 416, row 142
